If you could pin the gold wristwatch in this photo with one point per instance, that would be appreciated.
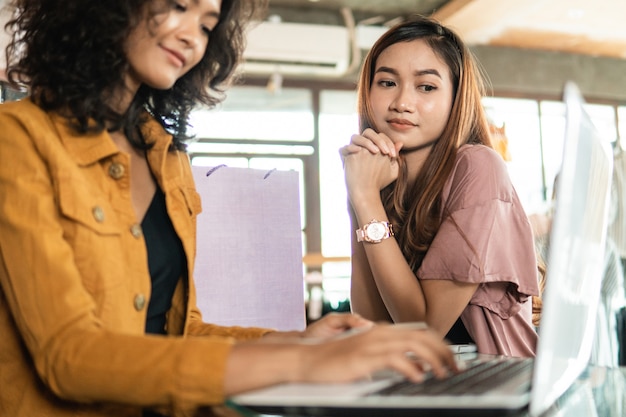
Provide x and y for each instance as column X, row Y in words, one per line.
column 374, row 232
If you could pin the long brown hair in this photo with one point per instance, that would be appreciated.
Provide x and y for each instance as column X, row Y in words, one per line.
column 415, row 207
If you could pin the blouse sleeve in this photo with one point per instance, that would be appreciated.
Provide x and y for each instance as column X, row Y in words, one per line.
column 485, row 236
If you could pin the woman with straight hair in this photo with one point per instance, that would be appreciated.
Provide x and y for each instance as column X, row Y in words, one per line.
column 439, row 234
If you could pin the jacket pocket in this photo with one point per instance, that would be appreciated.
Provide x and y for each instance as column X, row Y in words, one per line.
column 80, row 204
column 91, row 227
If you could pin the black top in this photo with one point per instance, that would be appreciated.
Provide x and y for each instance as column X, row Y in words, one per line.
column 458, row 334
column 166, row 261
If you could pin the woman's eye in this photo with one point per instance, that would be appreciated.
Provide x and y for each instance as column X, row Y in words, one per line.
column 427, row 88
column 386, row 83
column 206, row 30
column 180, row 7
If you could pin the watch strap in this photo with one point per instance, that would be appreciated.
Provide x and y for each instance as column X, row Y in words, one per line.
column 361, row 233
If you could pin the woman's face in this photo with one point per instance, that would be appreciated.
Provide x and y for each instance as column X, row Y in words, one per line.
column 163, row 48
column 411, row 94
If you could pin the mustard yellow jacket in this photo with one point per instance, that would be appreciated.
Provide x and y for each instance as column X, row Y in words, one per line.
column 74, row 280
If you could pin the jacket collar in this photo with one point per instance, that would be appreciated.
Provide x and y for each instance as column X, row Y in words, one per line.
column 159, row 153
column 88, row 149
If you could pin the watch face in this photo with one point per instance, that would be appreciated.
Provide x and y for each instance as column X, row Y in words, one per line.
column 376, row 231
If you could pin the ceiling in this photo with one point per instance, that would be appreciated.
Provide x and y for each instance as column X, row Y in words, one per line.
column 589, row 27
column 596, row 28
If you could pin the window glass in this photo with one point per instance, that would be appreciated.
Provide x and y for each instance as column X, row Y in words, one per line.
column 10, row 94
column 256, row 113
column 337, row 123
column 553, row 128
column 553, row 136
column 210, row 147
column 519, row 120
column 603, row 117
column 621, row 117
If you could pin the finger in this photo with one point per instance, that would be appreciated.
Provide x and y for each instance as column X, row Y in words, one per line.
column 364, row 142
column 349, row 150
column 426, row 359
column 425, row 349
column 429, row 348
column 356, row 321
column 355, row 329
column 340, row 323
column 382, row 141
column 349, row 321
column 407, row 367
column 405, row 352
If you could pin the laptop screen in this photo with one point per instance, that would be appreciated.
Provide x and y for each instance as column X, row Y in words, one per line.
column 575, row 257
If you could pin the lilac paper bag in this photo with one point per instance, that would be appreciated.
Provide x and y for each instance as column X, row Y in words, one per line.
column 249, row 259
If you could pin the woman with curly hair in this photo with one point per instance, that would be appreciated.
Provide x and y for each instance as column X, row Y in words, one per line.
column 441, row 235
column 98, row 210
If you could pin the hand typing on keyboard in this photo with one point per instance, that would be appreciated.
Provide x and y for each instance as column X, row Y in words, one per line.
column 475, row 377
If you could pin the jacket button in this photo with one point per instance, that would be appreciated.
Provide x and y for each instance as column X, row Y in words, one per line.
column 116, row 171
column 98, row 214
column 139, row 302
column 136, row 231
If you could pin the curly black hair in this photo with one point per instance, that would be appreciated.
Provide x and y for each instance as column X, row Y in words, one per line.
column 70, row 55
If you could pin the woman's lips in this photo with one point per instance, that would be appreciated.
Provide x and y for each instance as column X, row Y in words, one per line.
column 401, row 124
column 175, row 56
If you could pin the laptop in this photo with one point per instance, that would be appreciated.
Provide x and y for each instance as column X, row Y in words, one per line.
column 571, row 296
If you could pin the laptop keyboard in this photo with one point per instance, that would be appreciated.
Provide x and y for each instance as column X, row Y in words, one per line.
column 477, row 378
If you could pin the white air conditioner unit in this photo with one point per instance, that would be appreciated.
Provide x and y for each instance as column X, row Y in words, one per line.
column 296, row 48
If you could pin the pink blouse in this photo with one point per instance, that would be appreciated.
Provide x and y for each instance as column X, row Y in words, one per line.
column 486, row 238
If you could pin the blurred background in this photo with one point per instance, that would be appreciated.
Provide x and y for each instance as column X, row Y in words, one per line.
column 294, row 103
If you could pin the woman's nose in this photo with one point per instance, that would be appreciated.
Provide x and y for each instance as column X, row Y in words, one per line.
column 403, row 102
column 190, row 32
